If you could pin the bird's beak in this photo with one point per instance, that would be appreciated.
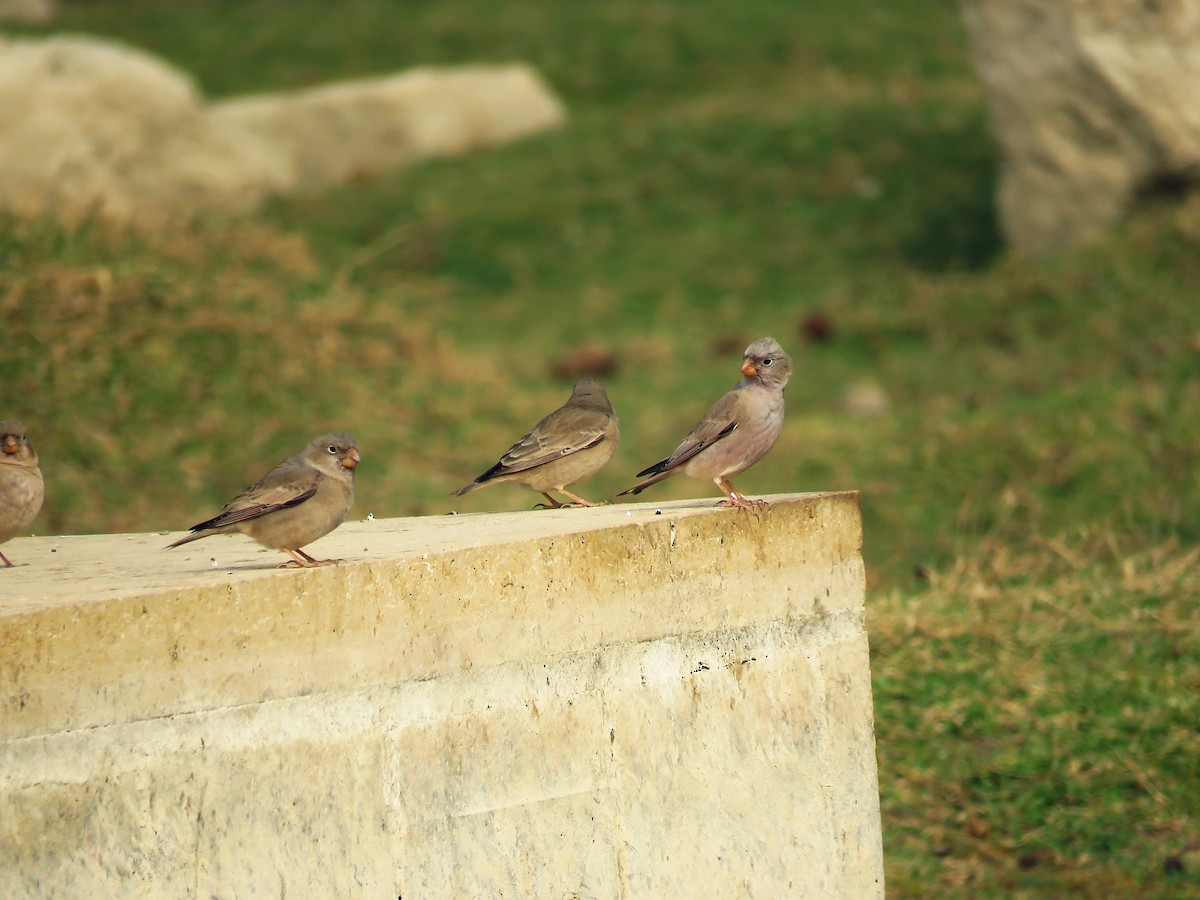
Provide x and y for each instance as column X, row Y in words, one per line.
column 351, row 459
column 748, row 368
column 11, row 445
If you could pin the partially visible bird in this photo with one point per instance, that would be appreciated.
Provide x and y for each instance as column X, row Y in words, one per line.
column 300, row 500
column 737, row 431
column 569, row 445
column 21, row 487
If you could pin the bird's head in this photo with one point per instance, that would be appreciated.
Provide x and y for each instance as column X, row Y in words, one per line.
column 335, row 453
column 765, row 361
column 15, row 447
column 590, row 393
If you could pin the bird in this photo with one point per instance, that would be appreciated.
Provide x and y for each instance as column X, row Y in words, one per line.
column 571, row 444
column 299, row 501
column 21, row 486
column 737, row 431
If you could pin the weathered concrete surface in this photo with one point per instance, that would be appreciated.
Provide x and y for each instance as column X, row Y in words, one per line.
column 1094, row 106
column 633, row 701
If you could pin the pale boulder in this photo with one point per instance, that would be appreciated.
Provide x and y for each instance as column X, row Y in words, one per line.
column 338, row 132
column 89, row 127
column 93, row 128
column 1094, row 106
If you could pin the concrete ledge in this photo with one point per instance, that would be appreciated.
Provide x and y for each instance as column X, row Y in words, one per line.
column 663, row 700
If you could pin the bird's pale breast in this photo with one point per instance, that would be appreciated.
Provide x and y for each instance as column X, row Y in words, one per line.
column 747, row 444
column 568, row 470
column 21, row 492
column 299, row 526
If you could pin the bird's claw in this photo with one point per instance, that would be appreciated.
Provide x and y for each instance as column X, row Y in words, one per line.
column 296, row 564
column 755, row 505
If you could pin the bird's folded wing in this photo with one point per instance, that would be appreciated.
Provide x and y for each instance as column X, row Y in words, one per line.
column 261, row 499
column 535, row 450
column 719, row 422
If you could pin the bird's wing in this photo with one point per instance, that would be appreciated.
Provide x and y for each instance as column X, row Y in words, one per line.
column 289, row 484
column 719, row 422
column 560, row 434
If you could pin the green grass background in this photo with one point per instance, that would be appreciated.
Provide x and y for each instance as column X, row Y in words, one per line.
column 1030, row 493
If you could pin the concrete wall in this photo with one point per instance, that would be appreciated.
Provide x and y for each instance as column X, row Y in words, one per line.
column 632, row 701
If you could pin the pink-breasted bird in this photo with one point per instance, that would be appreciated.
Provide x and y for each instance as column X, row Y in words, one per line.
column 737, row 431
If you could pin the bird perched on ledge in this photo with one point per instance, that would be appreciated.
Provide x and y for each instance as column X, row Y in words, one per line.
column 737, row 431
column 569, row 445
column 300, row 500
column 21, row 487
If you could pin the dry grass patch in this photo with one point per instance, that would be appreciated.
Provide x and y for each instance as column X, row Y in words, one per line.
column 1037, row 717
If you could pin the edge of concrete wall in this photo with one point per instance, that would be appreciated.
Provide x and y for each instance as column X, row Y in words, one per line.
column 630, row 701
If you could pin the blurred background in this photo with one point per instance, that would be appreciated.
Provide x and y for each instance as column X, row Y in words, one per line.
column 1024, row 429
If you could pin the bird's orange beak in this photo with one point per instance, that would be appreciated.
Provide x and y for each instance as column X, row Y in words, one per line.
column 351, row 459
column 11, row 445
column 748, row 368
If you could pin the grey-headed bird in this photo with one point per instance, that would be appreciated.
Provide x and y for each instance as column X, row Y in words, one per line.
column 300, row 500
column 569, row 445
column 21, row 487
column 737, row 431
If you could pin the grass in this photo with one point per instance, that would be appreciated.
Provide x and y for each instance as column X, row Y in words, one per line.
column 1029, row 491
column 1037, row 735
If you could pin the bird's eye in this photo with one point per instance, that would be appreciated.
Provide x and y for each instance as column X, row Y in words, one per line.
column 333, row 448
column 767, row 362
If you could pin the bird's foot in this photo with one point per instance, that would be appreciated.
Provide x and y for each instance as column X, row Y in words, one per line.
column 579, row 501
column 734, row 498
column 301, row 560
column 735, row 503
column 297, row 564
column 740, row 502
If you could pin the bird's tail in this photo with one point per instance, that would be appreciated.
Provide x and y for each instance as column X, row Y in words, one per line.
column 467, row 488
column 659, row 475
column 192, row 537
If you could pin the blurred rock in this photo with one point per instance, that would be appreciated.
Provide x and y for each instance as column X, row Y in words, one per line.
column 729, row 344
column 88, row 127
column 34, row 11
column 586, row 359
column 865, row 399
column 1094, row 106
column 94, row 128
column 339, row 132
column 816, row 328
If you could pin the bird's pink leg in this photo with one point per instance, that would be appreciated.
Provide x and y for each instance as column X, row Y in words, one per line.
column 7, row 562
column 550, row 503
column 733, row 497
column 301, row 560
column 578, row 499
column 296, row 561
